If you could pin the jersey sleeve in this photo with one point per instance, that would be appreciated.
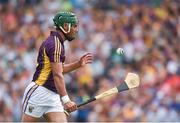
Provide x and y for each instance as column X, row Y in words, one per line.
column 53, row 49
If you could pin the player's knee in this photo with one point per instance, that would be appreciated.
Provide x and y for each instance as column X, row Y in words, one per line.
column 55, row 117
column 27, row 118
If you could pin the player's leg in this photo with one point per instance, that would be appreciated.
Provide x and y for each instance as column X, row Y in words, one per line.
column 55, row 113
column 27, row 118
column 32, row 111
column 55, row 117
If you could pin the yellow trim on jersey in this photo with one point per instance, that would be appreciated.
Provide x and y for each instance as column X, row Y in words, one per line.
column 57, row 58
column 45, row 70
column 59, row 49
column 57, row 52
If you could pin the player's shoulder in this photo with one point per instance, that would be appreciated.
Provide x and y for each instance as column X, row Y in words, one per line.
column 53, row 39
column 50, row 41
column 52, row 44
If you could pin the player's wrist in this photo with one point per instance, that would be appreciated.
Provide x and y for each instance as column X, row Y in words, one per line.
column 79, row 63
column 65, row 99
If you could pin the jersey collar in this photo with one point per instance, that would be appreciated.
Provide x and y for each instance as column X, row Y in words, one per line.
column 55, row 33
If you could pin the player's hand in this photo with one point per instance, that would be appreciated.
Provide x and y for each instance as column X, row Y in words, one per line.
column 70, row 106
column 86, row 59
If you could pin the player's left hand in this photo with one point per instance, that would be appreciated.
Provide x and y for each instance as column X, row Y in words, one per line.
column 86, row 59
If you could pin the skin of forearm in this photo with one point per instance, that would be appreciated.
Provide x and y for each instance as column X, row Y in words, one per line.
column 60, row 84
column 70, row 67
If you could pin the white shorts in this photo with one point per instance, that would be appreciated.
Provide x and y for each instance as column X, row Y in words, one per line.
column 38, row 100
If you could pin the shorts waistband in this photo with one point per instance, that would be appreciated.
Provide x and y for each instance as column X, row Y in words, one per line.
column 44, row 88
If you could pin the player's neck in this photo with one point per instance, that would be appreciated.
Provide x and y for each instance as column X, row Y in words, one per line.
column 62, row 36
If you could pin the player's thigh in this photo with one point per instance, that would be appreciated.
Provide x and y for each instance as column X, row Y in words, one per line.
column 55, row 117
column 27, row 118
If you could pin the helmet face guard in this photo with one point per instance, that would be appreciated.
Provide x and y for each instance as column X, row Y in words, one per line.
column 65, row 17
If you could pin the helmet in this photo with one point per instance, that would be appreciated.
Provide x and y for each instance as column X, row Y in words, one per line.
column 65, row 17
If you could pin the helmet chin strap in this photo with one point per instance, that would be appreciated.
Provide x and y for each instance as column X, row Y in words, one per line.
column 69, row 28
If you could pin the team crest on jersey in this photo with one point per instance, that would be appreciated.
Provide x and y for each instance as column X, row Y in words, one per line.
column 31, row 109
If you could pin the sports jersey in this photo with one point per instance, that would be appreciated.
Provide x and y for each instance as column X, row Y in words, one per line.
column 51, row 50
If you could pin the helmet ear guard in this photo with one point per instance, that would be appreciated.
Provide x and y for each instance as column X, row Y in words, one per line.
column 69, row 28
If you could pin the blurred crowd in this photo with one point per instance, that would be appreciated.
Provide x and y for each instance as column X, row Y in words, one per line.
column 147, row 30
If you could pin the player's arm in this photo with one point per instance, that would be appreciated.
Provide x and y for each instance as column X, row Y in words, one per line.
column 71, row 67
column 60, row 86
column 58, row 78
column 85, row 59
column 53, row 50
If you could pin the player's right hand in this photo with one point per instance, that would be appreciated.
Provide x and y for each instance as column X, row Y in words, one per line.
column 70, row 106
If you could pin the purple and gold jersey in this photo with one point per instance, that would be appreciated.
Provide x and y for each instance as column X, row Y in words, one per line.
column 51, row 50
